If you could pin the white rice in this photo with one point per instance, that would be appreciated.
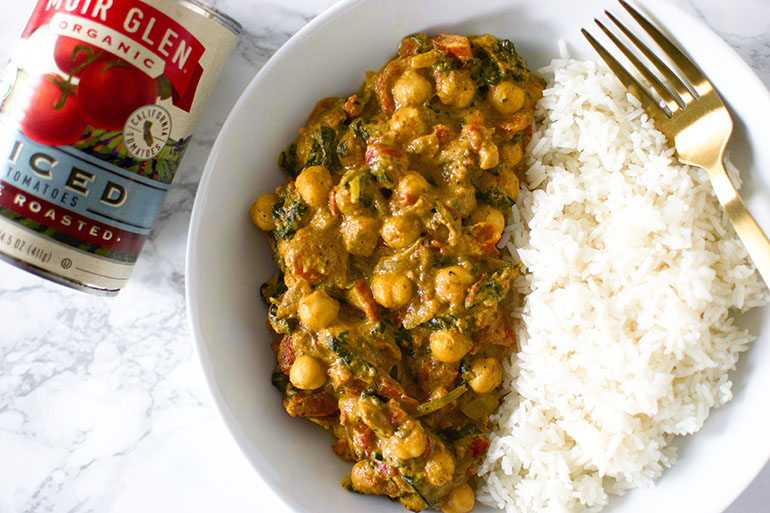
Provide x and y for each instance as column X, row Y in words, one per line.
column 631, row 274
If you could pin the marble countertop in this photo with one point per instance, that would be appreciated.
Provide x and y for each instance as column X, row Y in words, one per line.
column 102, row 405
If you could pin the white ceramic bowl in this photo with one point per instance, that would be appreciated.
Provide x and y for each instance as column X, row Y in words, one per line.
column 228, row 259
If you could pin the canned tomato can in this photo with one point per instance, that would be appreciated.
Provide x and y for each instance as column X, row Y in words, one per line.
column 99, row 102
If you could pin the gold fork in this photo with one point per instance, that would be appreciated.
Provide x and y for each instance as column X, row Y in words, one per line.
column 695, row 121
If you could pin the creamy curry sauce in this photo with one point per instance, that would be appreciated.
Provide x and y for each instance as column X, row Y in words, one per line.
column 389, row 307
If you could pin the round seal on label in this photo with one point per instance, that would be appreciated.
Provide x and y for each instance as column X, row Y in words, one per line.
column 8, row 80
column 147, row 131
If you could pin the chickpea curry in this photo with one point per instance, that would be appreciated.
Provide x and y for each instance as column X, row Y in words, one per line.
column 389, row 309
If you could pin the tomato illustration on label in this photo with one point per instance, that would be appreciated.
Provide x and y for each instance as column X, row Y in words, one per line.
column 100, row 90
column 110, row 91
column 73, row 56
column 53, row 116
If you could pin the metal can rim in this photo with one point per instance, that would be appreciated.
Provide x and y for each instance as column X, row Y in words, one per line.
column 223, row 19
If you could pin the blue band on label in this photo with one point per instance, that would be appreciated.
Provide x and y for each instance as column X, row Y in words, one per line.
column 81, row 183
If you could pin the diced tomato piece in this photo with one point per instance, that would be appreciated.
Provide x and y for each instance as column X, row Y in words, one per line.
column 517, row 122
column 385, row 470
column 391, row 389
column 479, row 446
column 363, row 440
column 383, row 82
column 395, row 414
column 474, row 134
column 285, row 355
column 510, row 336
column 365, row 299
column 443, row 132
column 410, row 46
column 310, row 404
column 379, row 151
column 497, row 331
column 454, row 45
column 333, row 204
column 353, row 107
column 486, row 237
column 387, row 163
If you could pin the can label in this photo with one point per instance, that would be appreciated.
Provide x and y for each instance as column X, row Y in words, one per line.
column 99, row 102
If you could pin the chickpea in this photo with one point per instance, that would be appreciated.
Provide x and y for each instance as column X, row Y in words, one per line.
column 360, row 234
column 314, row 184
column 411, row 89
column 317, row 310
column 452, row 283
column 512, row 154
column 440, row 467
column 460, row 500
column 488, row 214
column 509, row 183
column 307, row 373
column 411, row 186
column 354, row 150
column 344, row 201
column 399, row 232
column 392, row 290
column 449, row 346
column 506, row 97
column 411, row 446
column 462, row 201
column 261, row 212
column 363, row 477
column 487, row 374
column 456, row 88
column 408, row 123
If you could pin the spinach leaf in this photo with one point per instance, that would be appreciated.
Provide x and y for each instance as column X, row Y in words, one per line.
column 414, row 44
column 485, row 71
column 507, row 51
column 455, row 433
column 288, row 161
column 288, row 213
column 324, row 149
column 360, row 130
column 449, row 322
column 445, row 64
column 490, row 289
column 273, row 288
column 284, row 325
column 496, row 197
column 340, row 345
column 362, row 186
column 280, row 380
column 495, row 60
column 401, row 335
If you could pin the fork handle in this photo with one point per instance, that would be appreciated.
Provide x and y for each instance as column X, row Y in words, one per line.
column 752, row 236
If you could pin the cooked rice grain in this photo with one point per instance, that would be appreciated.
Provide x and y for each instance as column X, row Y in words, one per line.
column 625, row 331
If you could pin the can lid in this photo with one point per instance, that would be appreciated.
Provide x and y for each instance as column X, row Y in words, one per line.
column 217, row 15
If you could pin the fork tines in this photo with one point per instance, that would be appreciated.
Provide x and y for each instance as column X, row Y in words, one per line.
column 672, row 90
